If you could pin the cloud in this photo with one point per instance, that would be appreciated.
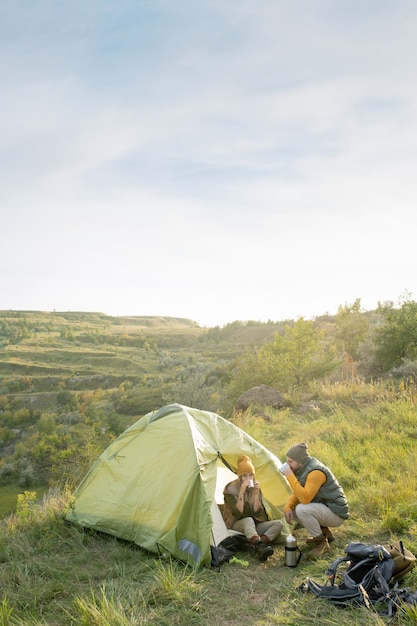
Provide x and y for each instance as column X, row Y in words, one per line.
column 217, row 161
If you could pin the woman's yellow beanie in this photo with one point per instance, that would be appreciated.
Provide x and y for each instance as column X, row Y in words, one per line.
column 244, row 466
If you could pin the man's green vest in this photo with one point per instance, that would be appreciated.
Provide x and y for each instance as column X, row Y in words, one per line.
column 331, row 493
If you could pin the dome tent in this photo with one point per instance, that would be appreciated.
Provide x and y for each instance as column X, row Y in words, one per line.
column 160, row 482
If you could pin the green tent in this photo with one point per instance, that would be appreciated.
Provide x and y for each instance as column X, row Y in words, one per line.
column 160, row 482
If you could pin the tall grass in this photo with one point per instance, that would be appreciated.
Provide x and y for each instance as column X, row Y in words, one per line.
column 55, row 575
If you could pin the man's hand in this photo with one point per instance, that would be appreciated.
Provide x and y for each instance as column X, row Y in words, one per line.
column 289, row 516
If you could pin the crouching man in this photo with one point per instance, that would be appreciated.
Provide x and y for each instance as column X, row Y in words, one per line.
column 318, row 501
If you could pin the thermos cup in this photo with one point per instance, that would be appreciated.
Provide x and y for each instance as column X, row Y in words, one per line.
column 292, row 552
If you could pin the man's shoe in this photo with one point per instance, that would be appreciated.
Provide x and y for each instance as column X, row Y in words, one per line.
column 321, row 546
column 264, row 551
column 327, row 533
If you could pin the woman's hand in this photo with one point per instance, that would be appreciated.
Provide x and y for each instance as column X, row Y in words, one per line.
column 248, row 483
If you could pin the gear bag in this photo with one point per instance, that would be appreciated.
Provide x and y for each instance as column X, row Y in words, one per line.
column 366, row 578
column 223, row 552
column 404, row 560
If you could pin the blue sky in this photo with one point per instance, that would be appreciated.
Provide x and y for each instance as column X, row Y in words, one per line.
column 213, row 160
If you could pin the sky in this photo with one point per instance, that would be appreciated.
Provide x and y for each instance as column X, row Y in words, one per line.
column 214, row 160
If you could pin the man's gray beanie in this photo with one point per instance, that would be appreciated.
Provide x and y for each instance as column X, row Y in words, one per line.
column 298, row 453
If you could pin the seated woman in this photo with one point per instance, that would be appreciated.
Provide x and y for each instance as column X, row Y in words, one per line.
column 244, row 510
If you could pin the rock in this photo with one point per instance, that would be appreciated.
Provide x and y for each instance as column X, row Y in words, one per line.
column 262, row 395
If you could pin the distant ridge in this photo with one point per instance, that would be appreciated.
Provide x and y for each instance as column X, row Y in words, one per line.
column 137, row 320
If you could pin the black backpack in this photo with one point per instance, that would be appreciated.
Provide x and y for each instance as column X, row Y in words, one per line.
column 366, row 579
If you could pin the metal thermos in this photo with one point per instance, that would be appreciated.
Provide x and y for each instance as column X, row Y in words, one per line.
column 292, row 552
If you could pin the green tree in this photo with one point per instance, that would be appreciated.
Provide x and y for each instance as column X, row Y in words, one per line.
column 396, row 339
column 292, row 359
column 248, row 370
column 351, row 328
column 300, row 354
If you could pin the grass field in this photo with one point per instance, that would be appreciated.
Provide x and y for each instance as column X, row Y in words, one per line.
column 55, row 575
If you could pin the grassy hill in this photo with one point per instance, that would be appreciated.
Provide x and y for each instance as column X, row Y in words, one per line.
column 70, row 382
column 39, row 350
column 71, row 377
column 43, row 354
column 55, row 575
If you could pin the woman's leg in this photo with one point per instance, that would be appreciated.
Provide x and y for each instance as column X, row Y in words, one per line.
column 270, row 529
column 246, row 525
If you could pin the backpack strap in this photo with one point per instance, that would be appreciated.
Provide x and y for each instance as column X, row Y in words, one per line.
column 335, row 594
column 398, row 599
column 372, row 588
column 332, row 569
